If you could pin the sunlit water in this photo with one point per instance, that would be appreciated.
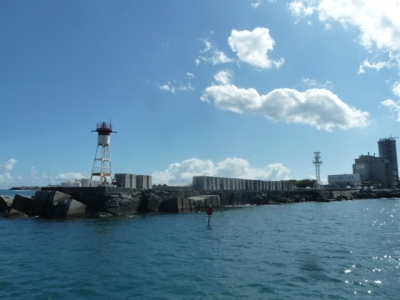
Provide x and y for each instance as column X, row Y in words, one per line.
column 337, row 250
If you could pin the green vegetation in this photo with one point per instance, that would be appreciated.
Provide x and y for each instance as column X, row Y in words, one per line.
column 303, row 183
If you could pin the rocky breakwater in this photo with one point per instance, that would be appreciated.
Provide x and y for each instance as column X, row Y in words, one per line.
column 45, row 204
column 68, row 202
column 366, row 194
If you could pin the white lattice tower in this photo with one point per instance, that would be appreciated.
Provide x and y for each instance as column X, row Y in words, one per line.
column 317, row 162
column 102, row 165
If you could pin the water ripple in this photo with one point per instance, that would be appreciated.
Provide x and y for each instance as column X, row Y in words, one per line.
column 337, row 250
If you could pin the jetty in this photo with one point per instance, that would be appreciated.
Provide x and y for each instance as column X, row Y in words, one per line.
column 95, row 202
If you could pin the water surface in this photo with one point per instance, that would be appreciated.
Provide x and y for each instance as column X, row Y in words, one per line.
column 337, row 250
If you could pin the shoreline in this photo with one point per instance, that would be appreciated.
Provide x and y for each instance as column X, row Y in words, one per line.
column 25, row 188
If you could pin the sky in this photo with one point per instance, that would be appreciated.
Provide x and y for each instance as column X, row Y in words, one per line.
column 227, row 88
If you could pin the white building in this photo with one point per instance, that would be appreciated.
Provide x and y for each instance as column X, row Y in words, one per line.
column 345, row 180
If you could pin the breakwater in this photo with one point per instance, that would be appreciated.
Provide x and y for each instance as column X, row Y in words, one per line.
column 73, row 202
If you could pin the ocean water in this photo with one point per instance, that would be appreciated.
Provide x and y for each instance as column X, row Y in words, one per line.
column 337, row 250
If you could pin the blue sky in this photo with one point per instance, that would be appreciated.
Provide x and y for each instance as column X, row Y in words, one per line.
column 229, row 88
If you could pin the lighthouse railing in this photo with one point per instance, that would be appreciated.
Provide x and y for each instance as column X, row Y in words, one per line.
column 104, row 125
column 97, row 171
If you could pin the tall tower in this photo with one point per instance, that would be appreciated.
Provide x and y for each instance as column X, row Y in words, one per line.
column 102, row 165
column 387, row 150
column 317, row 162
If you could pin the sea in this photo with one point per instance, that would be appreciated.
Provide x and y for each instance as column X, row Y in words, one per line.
column 335, row 250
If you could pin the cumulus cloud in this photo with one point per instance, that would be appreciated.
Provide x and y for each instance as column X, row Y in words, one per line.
column 231, row 167
column 177, row 86
column 317, row 107
column 69, row 176
column 252, row 47
column 211, row 54
column 5, row 170
column 378, row 22
column 223, row 76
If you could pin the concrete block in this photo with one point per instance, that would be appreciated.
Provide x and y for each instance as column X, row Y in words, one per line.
column 126, row 180
column 149, row 182
column 5, row 203
column 45, row 203
column 75, row 209
column 139, row 182
column 14, row 214
column 143, row 182
column 22, row 204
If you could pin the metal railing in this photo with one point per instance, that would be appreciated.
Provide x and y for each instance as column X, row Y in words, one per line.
column 104, row 125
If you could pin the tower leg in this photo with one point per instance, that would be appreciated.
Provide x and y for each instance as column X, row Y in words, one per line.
column 94, row 164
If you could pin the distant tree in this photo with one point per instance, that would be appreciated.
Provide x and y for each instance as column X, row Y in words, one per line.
column 303, row 183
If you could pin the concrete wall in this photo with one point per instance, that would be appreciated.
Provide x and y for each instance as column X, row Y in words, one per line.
column 126, row 180
column 144, row 182
column 236, row 184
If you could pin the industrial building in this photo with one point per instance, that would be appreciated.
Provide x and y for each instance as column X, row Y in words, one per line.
column 387, row 150
column 380, row 171
column 134, row 181
column 344, row 180
column 236, row 184
column 83, row 182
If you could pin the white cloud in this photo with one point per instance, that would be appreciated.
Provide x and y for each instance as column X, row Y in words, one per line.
column 378, row 22
column 33, row 171
column 256, row 4
column 312, row 83
column 223, row 76
column 260, row 2
column 316, row 107
column 212, row 55
column 69, row 176
column 176, row 86
column 377, row 66
column 5, row 171
column 300, row 8
column 394, row 106
column 396, row 89
column 219, row 57
column 252, row 47
column 240, row 168
column 208, row 45
column 166, row 87
column 231, row 167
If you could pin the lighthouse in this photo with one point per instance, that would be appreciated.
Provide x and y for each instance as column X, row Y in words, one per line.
column 102, row 165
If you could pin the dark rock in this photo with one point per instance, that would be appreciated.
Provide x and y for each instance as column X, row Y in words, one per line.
column 383, row 194
column 149, row 202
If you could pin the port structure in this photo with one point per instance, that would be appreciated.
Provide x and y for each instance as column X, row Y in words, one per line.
column 102, row 165
column 317, row 162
